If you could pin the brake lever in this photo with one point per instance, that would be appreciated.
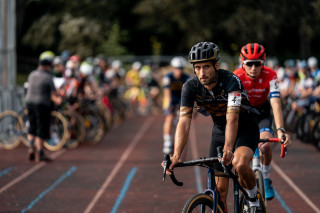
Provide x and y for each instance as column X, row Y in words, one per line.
column 166, row 164
column 284, row 151
column 219, row 150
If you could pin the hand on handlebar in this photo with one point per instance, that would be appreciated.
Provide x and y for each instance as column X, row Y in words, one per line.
column 227, row 157
column 169, row 170
column 285, row 138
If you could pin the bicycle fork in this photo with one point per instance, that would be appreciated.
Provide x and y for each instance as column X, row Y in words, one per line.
column 212, row 189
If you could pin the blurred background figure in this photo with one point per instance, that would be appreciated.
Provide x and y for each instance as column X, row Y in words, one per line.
column 172, row 84
column 40, row 93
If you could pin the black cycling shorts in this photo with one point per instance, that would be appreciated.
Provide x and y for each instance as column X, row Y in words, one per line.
column 265, row 118
column 39, row 117
column 265, row 123
column 248, row 135
column 172, row 108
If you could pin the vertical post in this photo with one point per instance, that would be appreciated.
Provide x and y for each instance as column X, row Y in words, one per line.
column 7, row 52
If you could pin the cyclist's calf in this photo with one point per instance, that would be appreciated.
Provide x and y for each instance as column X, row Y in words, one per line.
column 241, row 163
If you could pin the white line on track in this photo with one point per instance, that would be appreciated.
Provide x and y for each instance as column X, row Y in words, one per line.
column 30, row 171
column 117, row 167
column 295, row 187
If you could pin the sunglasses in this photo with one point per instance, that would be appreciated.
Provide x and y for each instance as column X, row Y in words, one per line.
column 255, row 63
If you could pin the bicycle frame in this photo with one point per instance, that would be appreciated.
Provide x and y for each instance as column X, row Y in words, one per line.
column 211, row 188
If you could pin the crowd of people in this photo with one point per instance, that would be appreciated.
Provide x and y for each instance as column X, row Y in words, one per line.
column 69, row 79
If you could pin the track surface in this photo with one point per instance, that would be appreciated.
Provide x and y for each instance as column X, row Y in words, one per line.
column 123, row 174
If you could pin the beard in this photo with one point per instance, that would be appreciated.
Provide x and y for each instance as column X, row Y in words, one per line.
column 208, row 81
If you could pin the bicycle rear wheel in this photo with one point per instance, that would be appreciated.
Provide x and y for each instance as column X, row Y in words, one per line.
column 200, row 203
column 76, row 129
column 315, row 133
column 10, row 129
column 94, row 126
column 58, row 132
column 105, row 114
column 25, row 127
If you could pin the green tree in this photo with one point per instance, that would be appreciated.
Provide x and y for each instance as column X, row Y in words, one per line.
column 112, row 45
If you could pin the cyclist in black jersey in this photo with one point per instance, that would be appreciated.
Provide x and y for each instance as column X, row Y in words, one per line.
column 219, row 93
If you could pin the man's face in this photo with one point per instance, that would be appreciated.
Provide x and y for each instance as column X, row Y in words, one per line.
column 205, row 72
column 253, row 68
column 177, row 72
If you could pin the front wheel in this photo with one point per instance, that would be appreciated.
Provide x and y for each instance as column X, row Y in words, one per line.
column 200, row 203
column 10, row 130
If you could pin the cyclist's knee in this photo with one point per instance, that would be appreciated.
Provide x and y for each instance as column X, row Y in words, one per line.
column 265, row 148
column 241, row 164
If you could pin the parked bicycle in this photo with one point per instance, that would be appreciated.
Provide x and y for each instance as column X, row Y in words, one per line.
column 14, row 130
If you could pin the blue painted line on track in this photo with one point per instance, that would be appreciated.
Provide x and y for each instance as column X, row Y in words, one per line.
column 64, row 176
column 198, row 179
column 284, row 205
column 6, row 171
column 124, row 189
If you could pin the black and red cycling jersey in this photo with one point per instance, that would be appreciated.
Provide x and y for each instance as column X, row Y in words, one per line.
column 258, row 89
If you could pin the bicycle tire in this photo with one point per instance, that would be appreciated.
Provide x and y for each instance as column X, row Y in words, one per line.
column 93, row 125
column 299, row 128
column 25, row 128
column 260, row 183
column 10, row 130
column 76, row 129
column 244, row 205
column 59, row 126
column 316, row 134
column 106, row 115
column 197, row 200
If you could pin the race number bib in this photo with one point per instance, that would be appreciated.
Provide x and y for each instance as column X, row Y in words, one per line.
column 234, row 102
column 274, row 89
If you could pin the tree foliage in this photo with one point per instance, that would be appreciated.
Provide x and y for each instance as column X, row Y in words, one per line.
column 287, row 28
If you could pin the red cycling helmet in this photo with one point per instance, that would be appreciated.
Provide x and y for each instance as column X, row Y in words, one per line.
column 75, row 58
column 253, row 51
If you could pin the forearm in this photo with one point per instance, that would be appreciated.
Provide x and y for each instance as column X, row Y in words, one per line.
column 277, row 112
column 167, row 94
column 181, row 136
column 231, row 133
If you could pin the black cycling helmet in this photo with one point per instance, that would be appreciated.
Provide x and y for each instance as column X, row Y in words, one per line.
column 204, row 51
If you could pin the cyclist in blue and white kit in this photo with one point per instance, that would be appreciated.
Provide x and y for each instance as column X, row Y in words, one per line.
column 172, row 83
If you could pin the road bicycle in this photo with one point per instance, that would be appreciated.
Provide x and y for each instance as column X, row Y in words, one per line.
column 14, row 130
column 209, row 200
column 255, row 164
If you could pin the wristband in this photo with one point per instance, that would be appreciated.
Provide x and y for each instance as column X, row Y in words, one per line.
column 282, row 130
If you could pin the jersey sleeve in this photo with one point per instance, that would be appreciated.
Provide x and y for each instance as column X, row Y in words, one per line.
column 166, row 81
column 274, row 86
column 234, row 83
column 187, row 95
